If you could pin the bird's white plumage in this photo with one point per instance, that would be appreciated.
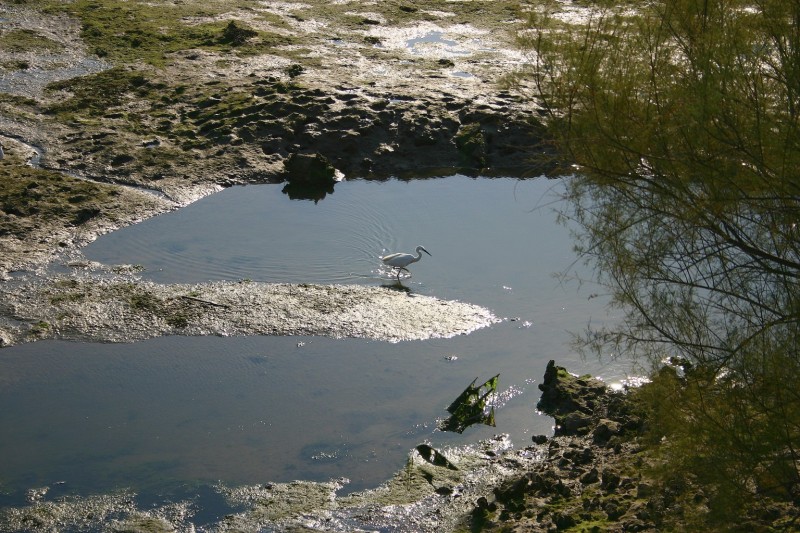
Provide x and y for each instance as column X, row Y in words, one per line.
column 401, row 260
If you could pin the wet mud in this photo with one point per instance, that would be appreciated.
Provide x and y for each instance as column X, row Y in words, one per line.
column 422, row 497
column 93, row 139
column 393, row 91
column 125, row 309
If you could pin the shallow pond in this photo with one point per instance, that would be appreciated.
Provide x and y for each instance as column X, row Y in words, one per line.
column 168, row 415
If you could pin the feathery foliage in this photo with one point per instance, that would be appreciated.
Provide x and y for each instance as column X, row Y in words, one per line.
column 681, row 119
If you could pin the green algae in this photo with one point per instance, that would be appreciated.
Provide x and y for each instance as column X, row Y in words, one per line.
column 471, row 143
column 71, row 513
column 30, row 196
column 25, row 40
column 423, row 496
column 128, row 32
column 94, row 95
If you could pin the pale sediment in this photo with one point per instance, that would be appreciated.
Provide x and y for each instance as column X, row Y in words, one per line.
column 125, row 310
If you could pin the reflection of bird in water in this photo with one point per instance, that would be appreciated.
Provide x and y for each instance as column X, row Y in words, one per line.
column 400, row 261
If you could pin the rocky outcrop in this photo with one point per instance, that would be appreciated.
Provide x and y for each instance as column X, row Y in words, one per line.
column 257, row 131
column 309, row 176
column 591, row 477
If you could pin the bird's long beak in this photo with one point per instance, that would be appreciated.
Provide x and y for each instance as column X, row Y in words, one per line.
column 426, row 251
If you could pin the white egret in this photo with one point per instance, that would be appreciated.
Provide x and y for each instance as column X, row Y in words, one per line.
column 400, row 260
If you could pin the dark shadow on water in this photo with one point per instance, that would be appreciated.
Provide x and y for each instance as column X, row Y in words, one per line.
column 303, row 191
column 397, row 286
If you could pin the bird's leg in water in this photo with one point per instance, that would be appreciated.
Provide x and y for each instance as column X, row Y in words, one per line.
column 401, row 261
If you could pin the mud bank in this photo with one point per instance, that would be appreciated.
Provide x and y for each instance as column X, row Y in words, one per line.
column 437, row 490
column 395, row 91
column 125, row 309
column 130, row 131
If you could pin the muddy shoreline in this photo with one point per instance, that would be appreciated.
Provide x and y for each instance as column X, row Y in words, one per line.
column 91, row 145
column 485, row 486
column 93, row 142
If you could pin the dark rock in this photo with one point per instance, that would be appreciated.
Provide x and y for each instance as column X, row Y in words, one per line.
column 592, row 476
column 121, row 159
column 571, row 400
column 309, row 169
column 580, row 456
column 294, row 70
column 634, row 524
column 539, row 439
column 610, row 480
column 84, row 215
column 586, row 456
column 640, row 510
column 444, row 490
column 614, row 509
column 471, row 143
column 575, row 424
column 591, row 504
column 604, row 430
column 482, row 503
column 379, row 105
column 644, row 490
column 565, row 521
column 309, row 177
column 236, row 35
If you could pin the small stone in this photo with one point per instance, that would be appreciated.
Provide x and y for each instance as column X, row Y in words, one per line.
column 575, row 423
column 592, row 476
column 605, row 430
column 539, row 439
column 644, row 490
column 565, row 521
column 610, row 480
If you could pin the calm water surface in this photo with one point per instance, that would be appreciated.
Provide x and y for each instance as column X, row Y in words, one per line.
column 176, row 412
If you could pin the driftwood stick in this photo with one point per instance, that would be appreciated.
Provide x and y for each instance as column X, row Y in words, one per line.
column 200, row 300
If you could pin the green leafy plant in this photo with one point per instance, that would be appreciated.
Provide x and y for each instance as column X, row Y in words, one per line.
column 470, row 407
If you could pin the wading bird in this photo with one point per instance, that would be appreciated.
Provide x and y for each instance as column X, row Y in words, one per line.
column 401, row 261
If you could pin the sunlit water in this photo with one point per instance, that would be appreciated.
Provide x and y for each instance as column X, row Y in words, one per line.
column 175, row 412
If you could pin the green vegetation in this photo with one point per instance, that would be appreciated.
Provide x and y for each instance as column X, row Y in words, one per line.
column 129, row 32
column 471, row 407
column 19, row 40
column 29, row 196
column 40, row 329
column 95, row 94
column 471, row 143
column 144, row 301
column 684, row 122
